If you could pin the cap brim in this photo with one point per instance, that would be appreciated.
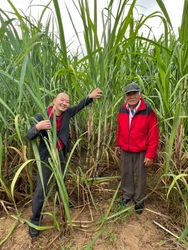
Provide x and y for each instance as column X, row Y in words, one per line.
column 132, row 90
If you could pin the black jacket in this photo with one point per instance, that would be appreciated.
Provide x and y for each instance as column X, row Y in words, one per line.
column 64, row 134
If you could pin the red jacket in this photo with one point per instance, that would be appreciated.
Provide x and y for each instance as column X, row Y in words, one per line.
column 142, row 134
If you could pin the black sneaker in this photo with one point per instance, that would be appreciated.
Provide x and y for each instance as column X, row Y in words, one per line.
column 70, row 204
column 33, row 232
column 123, row 201
column 139, row 207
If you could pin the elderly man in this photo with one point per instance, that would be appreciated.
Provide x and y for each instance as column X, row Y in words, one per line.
column 63, row 114
column 136, row 143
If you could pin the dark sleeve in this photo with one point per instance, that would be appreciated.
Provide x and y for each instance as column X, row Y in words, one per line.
column 82, row 104
column 33, row 133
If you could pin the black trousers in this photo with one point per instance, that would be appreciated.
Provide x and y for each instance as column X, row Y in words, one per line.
column 38, row 198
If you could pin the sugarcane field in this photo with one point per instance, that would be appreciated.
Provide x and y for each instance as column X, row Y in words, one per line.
column 93, row 118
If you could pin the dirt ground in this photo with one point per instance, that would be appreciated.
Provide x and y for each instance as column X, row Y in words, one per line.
column 130, row 232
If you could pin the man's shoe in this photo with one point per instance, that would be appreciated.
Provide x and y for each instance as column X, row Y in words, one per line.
column 139, row 207
column 70, row 205
column 123, row 201
column 33, row 232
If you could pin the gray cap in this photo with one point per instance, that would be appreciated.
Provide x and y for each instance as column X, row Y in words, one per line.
column 132, row 87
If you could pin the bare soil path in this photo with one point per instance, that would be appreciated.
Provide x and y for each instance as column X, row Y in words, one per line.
column 130, row 232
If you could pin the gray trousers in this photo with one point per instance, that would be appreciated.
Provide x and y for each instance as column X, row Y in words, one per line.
column 133, row 175
column 38, row 198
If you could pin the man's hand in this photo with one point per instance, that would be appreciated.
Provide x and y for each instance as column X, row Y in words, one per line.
column 148, row 162
column 43, row 125
column 95, row 94
column 117, row 151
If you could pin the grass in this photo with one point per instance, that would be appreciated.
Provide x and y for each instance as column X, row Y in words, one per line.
column 36, row 65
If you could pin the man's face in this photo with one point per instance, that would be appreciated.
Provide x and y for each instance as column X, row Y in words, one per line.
column 61, row 103
column 133, row 98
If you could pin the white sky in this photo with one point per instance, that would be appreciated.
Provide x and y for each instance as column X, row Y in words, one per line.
column 144, row 7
